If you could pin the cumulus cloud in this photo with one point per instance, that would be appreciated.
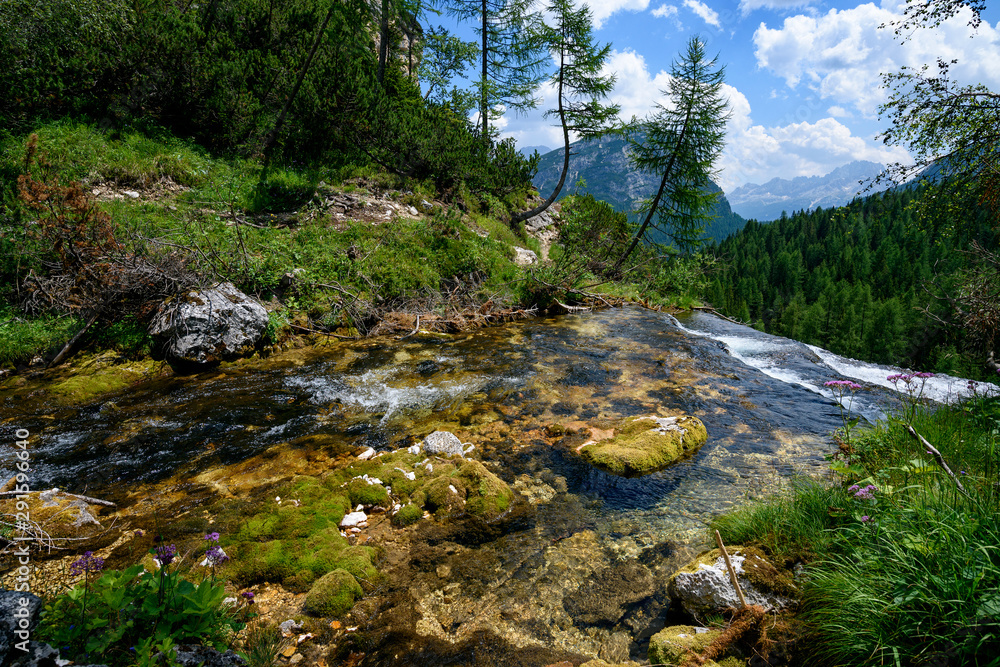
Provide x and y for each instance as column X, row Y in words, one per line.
column 840, row 55
column 665, row 11
column 603, row 9
column 704, row 12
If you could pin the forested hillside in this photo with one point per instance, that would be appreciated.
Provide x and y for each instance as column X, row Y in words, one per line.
column 855, row 280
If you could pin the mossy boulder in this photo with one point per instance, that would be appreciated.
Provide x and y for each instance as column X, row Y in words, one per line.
column 672, row 645
column 408, row 514
column 703, row 586
column 369, row 495
column 333, row 594
column 487, row 495
column 646, row 444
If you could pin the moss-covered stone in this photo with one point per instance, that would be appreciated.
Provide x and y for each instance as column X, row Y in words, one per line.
column 703, row 585
column 445, row 494
column 488, row 496
column 369, row 495
column 408, row 514
column 670, row 646
column 333, row 594
column 646, row 444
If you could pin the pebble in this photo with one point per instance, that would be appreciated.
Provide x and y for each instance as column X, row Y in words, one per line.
column 297, row 658
column 131, row 193
column 367, row 454
column 353, row 519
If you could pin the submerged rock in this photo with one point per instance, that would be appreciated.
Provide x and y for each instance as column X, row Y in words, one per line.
column 646, row 444
column 606, row 595
column 703, row 586
column 216, row 324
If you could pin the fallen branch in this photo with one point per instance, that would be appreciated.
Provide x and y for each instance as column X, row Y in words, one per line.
column 732, row 571
column 72, row 341
column 718, row 314
column 415, row 330
column 940, row 459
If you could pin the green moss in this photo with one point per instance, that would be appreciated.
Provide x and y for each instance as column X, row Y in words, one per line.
column 670, row 645
column 440, row 496
column 363, row 493
column 642, row 446
column 333, row 594
column 488, row 496
column 408, row 514
column 357, row 560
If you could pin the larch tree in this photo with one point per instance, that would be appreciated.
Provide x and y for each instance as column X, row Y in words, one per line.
column 681, row 142
column 511, row 57
column 579, row 84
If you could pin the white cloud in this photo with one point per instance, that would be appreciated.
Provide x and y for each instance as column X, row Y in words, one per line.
column 665, row 11
column 747, row 6
column 706, row 13
column 635, row 89
column 839, row 112
column 603, row 9
column 839, row 55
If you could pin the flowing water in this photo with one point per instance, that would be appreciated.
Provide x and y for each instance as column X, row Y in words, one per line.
column 536, row 580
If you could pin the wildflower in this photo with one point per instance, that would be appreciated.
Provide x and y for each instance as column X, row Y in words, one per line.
column 165, row 555
column 140, row 533
column 852, row 488
column 866, row 493
column 865, row 519
column 211, row 537
column 923, row 376
column 847, row 384
column 247, row 595
column 87, row 563
column 214, row 555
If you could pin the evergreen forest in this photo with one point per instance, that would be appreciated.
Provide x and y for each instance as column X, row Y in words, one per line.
column 866, row 280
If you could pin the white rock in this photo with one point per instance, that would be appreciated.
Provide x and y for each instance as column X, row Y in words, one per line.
column 443, row 442
column 353, row 519
column 396, row 507
column 367, row 454
column 415, row 449
column 410, row 475
column 359, row 508
column 412, row 211
column 429, row 467
column 453, row 489
column 354, row 530
column 468, row 450
column 132, row 194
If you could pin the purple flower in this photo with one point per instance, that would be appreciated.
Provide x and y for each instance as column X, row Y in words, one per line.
column 865, row 519
column 924, row 375
column 214, row 555
column 211, row 537
column 87, row 563
column 165, row 555
column 247, row 595
column 852, row 488
column 139, row 533
column 866, row 493
column 847, row 384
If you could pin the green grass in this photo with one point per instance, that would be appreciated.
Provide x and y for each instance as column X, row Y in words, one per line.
column 22, row 338
column 907, row 572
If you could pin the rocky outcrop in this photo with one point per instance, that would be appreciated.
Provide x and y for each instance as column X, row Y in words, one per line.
column 645, row 444
column 216, row 324
column 703, row 586
column 17, row 620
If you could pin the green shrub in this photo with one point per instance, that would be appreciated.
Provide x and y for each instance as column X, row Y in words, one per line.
column 100, row 620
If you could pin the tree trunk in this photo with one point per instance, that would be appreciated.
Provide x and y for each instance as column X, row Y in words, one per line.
column 383, row 42
column 483, row 101
column 518, row 217
column 273, row 134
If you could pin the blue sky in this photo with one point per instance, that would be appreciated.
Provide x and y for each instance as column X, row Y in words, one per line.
column 802, row 75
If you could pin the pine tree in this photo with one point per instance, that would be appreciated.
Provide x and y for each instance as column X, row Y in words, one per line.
column 511, row 55
column 682, row 141
column 579, row 84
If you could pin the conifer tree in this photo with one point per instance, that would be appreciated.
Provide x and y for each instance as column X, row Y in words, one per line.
column 682, row 140
column 579, row 84
column 511, row 55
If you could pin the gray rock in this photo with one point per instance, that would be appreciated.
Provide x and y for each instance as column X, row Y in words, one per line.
column 539, row 222
column 704, row 587
column 16, row 622
column 443, row 442
column 212, row 325
column 524, row 257
column 39, row 655
column 188, row 655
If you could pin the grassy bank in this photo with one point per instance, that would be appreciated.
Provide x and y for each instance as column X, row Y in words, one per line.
column 332, row 249
column 902, row 558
